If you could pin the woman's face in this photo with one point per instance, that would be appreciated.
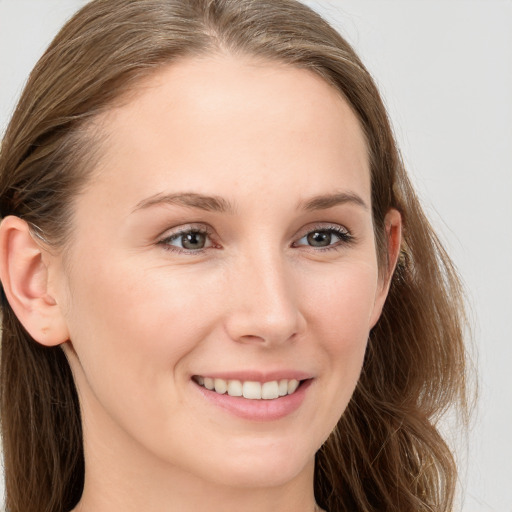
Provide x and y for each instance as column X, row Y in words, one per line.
column 227, row 236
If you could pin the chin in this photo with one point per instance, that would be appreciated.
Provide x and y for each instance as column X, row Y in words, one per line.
column 272, row 465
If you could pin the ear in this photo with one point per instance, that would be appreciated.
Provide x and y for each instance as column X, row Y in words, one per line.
column 24, row 277
column 393, row 227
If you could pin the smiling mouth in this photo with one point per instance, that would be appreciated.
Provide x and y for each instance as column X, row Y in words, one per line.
column 249, row 389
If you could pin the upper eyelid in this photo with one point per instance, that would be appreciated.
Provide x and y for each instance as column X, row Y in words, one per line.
column 322, row 226
column 197, row 226
column 185, row 228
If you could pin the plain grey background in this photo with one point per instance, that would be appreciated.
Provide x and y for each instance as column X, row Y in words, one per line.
column 445, row 70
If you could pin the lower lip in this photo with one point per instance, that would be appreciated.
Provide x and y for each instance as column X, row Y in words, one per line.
column 258, row 410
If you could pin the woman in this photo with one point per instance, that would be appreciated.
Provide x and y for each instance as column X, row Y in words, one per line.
column 220, row 290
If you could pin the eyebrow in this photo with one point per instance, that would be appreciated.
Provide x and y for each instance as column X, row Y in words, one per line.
column 324, row 202
column 190, row 200
column 219, row 204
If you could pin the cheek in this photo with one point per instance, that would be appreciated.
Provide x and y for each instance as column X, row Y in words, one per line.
column 136, row 308
column 340, row 317
column 342, row 305
column 131, row 328
column 131, row 338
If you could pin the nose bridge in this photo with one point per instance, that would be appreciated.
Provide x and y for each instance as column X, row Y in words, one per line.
column 264, row 300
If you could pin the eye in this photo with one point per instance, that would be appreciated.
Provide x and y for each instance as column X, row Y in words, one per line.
column 325, row 238
column 188, row 240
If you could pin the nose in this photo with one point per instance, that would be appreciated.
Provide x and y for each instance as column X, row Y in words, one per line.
column 264, row 302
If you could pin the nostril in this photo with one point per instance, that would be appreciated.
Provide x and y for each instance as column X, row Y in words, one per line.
column 265, row 329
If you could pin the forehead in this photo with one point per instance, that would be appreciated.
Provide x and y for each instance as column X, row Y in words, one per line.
column 206, row 122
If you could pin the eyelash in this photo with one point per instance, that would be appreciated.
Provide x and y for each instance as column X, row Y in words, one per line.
column 345, row 238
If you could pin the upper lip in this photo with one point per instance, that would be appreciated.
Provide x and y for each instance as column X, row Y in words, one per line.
column 257, row 375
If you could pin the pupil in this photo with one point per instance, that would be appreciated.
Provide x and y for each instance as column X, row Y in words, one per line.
column 194, row 241
column 319, row 239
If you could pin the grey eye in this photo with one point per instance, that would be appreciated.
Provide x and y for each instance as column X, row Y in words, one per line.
column 193, row 240
column 319, row 238
column 189, row 240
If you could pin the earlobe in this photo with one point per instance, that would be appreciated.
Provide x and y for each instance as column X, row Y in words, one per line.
column 393, row 226
column 24, row 277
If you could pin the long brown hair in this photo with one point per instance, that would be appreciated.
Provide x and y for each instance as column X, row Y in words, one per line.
column 386, row 453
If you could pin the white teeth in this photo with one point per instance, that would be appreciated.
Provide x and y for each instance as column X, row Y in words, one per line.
column 250, row 389
column 221, row 386
column 270, row 390
column 235, row 388
column 292, row 386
